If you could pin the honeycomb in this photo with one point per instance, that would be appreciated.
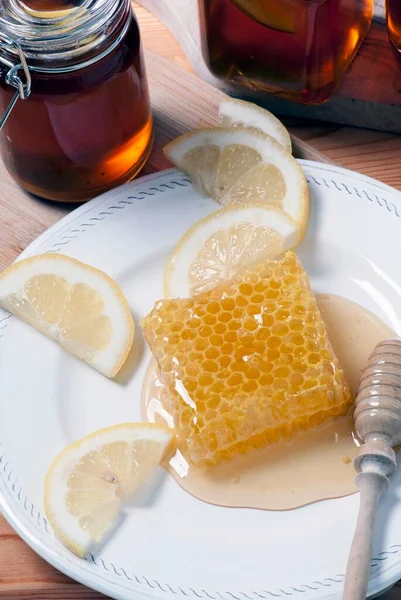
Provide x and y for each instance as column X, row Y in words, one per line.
column 247, row 363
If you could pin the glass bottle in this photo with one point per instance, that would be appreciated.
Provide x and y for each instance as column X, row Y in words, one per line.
column 85, row 125
column 296, row 49
column 393, row 13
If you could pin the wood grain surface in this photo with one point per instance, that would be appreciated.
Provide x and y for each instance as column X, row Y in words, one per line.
column 179, row 103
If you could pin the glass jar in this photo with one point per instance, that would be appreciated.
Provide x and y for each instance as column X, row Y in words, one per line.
column 85, row 125
column 393, row 13
column 296, row 49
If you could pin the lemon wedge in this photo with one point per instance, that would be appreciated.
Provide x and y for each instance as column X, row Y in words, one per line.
column 89, row 481
column 242, row 165
column 226, row 242
column 279, row 15
column 238, row 113
column 80, row 307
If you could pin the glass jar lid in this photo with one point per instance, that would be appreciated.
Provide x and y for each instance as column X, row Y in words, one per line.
column 53, row 36
column 61, row 38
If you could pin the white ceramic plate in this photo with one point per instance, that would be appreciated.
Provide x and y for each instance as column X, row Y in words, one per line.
column 174, row 546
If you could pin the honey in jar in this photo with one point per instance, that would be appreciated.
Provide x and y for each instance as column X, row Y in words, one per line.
column 85, row 125
column 296, row 49
column 393, row 12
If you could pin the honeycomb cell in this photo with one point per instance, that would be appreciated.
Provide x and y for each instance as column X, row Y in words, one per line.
column 193, row 370
column 297, row 338
column 241, row 301
column 212, row 352
column 273, row 342
column 210, row 366
column 258, row 347
column 300, row 352
column 300, row 311
column 266, row 380
column 193, row 323
column 282, row 315
column 250, row 386
column 228, row 304
column 263, row 334
column 199, row 311
column 251, row 325
column 247, row 363
column 205, row 379
column 273, row 355
column 252, row 310
column 297, row 380
column 275, row 284
column 280, row 329
column 230, row 336
column 234, row 325
column 181, row 359
column 251, row 373
column 214, row 400
column 216, row 340
column 201, row 344
column 188, row 334
column 224, row 361
column 235, row 379
column 220, row 327
column 283, row 372
column 296, row 325
column 227, row 349
column 213, row 308
column 190, row 384
column 210, row 319
column 266, row 367
column 245, row 289
column 217, row 388
column 205, row 331
column 313, row 358
column 268, row 320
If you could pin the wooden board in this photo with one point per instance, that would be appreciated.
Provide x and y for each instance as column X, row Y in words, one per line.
column 180, row 102
column 369, row 96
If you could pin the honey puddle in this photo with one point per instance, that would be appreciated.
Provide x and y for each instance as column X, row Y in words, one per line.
column 317, row 464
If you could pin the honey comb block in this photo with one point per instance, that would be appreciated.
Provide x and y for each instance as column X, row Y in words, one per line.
column 247, row 363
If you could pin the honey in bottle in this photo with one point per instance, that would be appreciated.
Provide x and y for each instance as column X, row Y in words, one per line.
column 393, row 12
column 296, row 49
column 86, row 124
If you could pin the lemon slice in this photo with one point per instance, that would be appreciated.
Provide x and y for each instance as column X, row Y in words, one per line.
column 242, row 165
column 89, row 481
column 238, row 113
column 279, row 15
column 226, row 242
column 80, row 307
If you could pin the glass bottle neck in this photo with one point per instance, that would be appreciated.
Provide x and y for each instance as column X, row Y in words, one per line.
column 60, row 35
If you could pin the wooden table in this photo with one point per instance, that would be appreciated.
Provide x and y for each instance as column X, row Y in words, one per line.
column 23, row 575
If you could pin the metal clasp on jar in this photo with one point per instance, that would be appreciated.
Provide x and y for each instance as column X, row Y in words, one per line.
column 23, row 89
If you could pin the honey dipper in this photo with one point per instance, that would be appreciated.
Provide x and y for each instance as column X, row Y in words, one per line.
column 378, row 423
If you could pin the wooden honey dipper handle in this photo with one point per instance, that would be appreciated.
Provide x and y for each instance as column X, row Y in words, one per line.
column 378, row 424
